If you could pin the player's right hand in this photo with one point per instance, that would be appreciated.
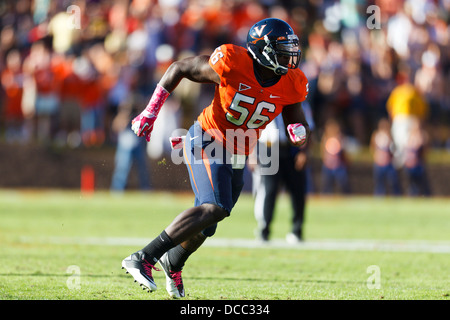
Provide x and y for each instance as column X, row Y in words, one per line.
column 142, row 126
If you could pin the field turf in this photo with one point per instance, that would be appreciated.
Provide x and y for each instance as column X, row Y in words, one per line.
column 63, row 245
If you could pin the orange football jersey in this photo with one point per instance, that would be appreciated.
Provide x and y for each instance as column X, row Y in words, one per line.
column 241, row 106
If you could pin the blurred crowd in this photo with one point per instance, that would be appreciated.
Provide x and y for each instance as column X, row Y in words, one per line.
column 68, row 67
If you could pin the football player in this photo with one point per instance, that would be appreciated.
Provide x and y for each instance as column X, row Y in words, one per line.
column 253, row 86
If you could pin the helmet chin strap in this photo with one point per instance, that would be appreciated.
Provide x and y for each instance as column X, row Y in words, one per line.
column 276, row 67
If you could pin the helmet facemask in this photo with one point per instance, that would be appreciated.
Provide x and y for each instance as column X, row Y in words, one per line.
column 278, row 55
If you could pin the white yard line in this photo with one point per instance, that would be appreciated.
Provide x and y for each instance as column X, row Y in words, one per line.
column 325, row 244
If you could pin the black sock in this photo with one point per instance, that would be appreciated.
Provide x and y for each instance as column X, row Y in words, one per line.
column 178, row 257
column 161, row 244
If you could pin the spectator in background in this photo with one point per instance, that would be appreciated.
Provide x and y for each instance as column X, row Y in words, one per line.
column 334, row 160
column 91, row 99
column 399, row 28
column 69, row 113
column 131, row 152
column 12, row 83
column 414, row 164
column 429, row 81
column 405, row 105
column 158, row 147
column 42, row 69
column 65, row 35
column 382, row 147
column 130, row 149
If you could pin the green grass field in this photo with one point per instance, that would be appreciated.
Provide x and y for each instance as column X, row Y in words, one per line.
column 68, row 246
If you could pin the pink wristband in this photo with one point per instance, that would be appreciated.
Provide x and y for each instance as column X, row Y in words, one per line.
column 157, row 100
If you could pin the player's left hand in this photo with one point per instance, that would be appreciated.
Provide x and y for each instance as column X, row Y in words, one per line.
column 177, row 142
column 297, row 134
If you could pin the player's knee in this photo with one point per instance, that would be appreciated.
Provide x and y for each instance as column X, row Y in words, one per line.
column 210, row 231
column 215, row 212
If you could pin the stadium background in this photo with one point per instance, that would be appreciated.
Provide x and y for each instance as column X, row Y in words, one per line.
column 351, row 69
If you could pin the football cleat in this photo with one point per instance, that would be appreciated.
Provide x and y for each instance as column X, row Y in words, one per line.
column 174, row 282
column 292, row 238
column 141, row 270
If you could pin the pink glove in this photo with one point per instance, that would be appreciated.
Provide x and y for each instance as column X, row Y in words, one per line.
column 297, row 133
column 177, row 142
column 142, row 125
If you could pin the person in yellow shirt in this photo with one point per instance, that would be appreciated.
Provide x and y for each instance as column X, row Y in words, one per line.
column 404, row 105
